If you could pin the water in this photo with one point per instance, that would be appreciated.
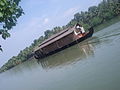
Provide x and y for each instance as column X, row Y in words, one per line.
column 93, row 64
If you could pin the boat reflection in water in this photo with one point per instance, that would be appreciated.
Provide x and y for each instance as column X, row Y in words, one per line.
column 70, row 55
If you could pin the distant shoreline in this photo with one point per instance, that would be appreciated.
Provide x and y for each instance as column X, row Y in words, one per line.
column 107, row 23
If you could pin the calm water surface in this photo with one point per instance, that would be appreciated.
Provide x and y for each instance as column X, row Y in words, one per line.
column 93, row 64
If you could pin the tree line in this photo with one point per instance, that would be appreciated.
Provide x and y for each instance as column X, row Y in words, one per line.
column 94, row 16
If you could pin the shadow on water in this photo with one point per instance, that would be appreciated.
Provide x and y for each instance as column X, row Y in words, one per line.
column 70, row 55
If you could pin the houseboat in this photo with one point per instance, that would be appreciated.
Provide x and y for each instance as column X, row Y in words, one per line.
column 60, row 41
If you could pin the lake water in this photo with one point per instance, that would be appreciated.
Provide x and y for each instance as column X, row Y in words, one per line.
column 93, row 64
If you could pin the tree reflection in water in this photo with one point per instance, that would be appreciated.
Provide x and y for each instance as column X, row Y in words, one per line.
column 78, row 52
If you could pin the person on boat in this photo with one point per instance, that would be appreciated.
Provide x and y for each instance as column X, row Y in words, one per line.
column 79, row 30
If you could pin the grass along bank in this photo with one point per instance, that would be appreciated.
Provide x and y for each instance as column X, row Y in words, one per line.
column 107, row 23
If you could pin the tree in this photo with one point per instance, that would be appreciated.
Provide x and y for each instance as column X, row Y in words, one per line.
column 10, row 11
column 47, row 34
column 93, row 11
column 77, row 17
column 56, row 30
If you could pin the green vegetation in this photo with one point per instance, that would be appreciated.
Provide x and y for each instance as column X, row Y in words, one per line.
column 107, row 23
column 95, row 16
column 10, row 11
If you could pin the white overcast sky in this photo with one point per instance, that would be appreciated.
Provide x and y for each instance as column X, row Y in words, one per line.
column 40, row 15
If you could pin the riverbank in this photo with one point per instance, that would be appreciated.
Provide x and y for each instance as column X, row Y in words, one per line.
column 107, row 23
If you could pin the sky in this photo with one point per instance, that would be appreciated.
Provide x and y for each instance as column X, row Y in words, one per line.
column 40, row 15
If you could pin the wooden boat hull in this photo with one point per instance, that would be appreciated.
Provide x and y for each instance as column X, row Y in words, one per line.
column 53, row 48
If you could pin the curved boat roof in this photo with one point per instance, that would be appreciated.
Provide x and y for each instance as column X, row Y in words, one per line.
column 56, row 37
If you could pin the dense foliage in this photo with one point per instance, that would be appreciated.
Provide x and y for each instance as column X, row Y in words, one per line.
column 95, row 16
column 10, row 11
